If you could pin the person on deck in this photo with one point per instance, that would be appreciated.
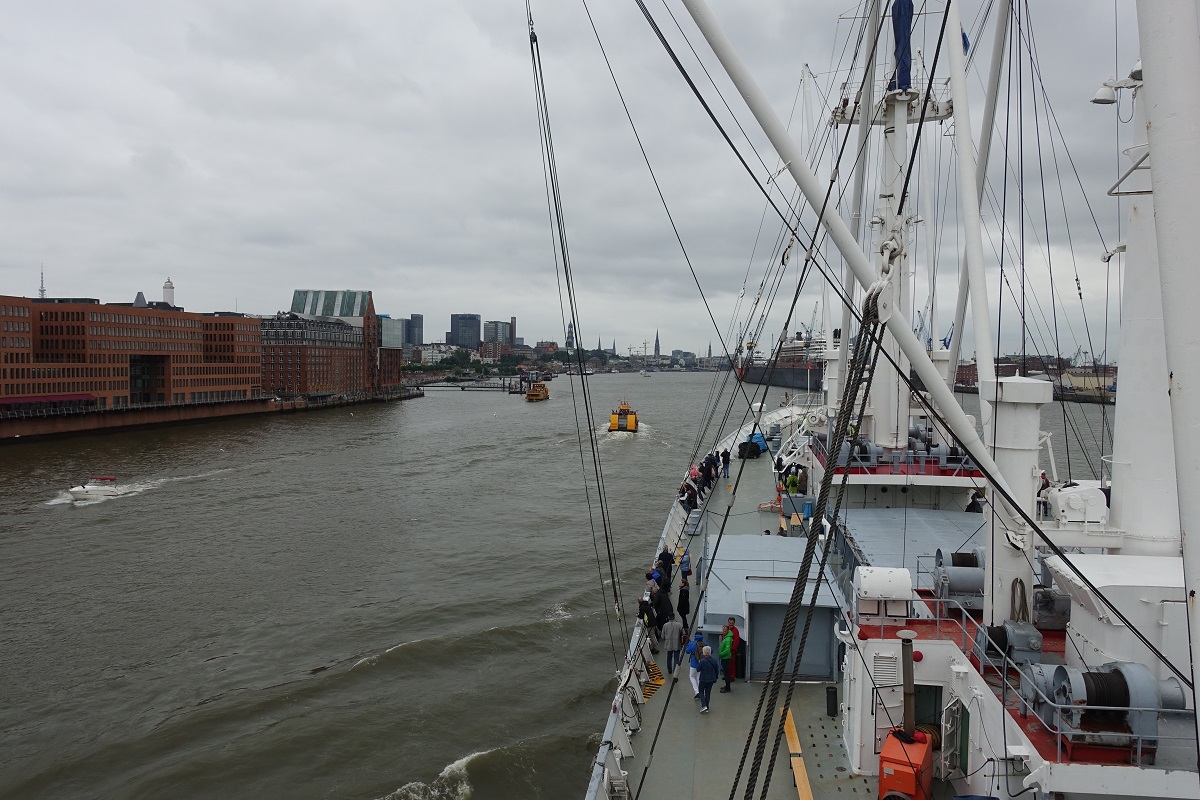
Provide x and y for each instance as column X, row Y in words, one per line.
column 668, row 561
column 735, row 645
column 710, row 670
column 726, row 653
column 661, row 600
column 725, row 462
column 802, row 477
column 976, row 504
column 702, row 480
column 672, row 633
column 646, row 615
column 693, row 651
column 687, row 496
column 793, row 484
column 737, row 648
column 684, row 604
column 685, row 565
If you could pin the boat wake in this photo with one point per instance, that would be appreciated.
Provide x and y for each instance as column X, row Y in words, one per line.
column 644, row 432
column 471, row 645
column 371, row 660
column 132, row 489
column 452, row 784
column 556, row 613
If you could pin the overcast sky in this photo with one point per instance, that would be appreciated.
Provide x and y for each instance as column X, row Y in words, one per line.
column 246, row 149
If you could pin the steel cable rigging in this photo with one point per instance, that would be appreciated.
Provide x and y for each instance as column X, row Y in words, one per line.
column 564, row 277
column 922, row 401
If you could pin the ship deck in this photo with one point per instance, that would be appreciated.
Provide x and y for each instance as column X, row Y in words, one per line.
column 697, row 755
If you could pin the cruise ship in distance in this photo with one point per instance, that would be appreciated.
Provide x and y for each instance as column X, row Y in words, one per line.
column 798, row 363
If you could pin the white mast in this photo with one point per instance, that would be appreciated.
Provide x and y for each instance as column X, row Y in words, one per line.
column 1009, row 562
column 889, row 393
column 866, row 106
column 1003, row 10
column 1144, row 503
column 1170, row 49
column 925, row 196
column 969, row 180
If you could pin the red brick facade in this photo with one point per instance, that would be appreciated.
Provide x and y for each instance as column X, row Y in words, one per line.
column 83, row 354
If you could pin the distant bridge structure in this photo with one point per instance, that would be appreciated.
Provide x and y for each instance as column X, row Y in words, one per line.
column 493, row 385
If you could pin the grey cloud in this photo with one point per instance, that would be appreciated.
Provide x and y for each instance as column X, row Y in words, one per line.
column 247, row 149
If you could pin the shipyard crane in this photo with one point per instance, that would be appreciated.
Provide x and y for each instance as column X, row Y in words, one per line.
column 948, row 337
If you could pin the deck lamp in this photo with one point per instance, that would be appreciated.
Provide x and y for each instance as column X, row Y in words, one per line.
column 1106, row 95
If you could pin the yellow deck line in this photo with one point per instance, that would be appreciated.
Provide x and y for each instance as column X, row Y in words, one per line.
column 799, row 771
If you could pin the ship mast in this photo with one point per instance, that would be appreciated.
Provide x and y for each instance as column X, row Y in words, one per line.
column 835, row 381
column 889, row 393
column 1170, row 53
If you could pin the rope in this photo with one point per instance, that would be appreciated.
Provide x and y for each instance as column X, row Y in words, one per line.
column 854, row 383
column 560, row 248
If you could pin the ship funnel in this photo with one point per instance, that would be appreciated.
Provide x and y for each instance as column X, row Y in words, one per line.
column 910, row 690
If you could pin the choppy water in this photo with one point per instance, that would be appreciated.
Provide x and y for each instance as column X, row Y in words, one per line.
column 394, row 600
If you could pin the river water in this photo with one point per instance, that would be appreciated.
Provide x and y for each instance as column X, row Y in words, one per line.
column 390, row 600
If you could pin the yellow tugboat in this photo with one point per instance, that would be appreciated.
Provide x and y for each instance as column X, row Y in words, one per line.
column 623, row 419
column 537, row 391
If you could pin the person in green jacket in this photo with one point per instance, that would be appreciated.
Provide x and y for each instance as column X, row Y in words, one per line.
column 725, row 652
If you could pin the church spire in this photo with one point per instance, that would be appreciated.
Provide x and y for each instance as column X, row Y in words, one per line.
column 657, row 349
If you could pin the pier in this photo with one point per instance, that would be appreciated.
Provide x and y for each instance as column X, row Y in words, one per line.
column 490, row 385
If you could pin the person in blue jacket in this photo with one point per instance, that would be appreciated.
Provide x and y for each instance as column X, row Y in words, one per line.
column 710, row 670
column 693, row 652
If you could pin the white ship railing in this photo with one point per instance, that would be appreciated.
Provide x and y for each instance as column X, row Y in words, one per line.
column 607, row 779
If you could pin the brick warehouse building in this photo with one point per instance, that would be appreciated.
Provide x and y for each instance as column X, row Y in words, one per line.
column 318, row 357
column 356, row 308
column 81, row 354
column 381, row 338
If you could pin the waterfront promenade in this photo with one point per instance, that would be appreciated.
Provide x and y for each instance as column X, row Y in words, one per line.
column 29, row 425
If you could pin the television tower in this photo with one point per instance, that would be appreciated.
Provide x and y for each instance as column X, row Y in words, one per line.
column 42, row 288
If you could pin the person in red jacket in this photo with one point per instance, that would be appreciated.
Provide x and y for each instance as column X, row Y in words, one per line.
column 737, row 641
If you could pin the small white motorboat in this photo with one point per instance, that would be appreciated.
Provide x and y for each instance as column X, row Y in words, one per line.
column 97, row 486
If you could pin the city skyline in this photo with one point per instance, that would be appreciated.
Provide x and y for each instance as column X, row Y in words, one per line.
column 310, row 305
